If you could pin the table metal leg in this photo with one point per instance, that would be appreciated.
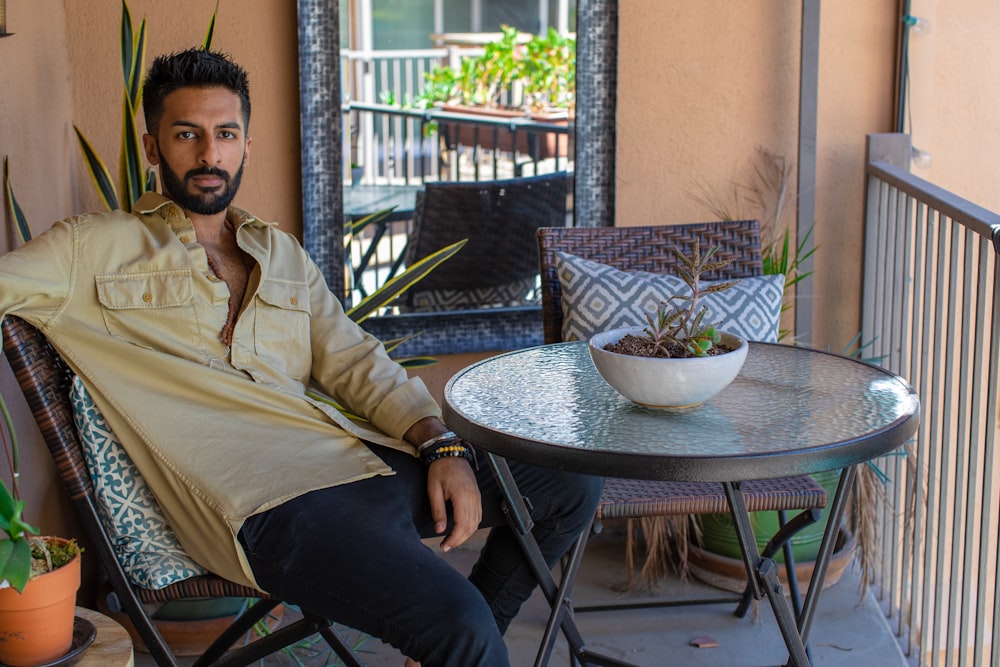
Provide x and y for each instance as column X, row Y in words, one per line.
column 844, row 487
column 559, row 598
column 762, row 573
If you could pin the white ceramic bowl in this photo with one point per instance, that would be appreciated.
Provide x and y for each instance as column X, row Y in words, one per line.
column 666, row 383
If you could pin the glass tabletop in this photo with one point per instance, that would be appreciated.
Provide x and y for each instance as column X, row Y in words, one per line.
column 790, row 411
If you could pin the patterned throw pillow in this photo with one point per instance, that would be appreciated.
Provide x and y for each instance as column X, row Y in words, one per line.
column 145, row 545
column 597, row 297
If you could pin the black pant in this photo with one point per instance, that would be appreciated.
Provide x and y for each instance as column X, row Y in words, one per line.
column 352, row 553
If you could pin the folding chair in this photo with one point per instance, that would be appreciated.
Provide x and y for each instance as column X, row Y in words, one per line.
column 498, row 265
column 651, row 249
column 46, row 380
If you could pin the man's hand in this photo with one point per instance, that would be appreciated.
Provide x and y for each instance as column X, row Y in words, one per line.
column 452, row 479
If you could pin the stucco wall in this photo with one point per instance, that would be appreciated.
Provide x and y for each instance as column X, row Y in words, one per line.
column 35, row 136
column 703, row 84
column 261, row 36
column 955, row 94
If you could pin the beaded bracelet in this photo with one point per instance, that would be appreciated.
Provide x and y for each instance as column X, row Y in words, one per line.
column 447, row 451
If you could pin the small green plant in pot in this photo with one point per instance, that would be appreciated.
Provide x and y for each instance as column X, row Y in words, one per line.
column 679, row 359
column 39, row 577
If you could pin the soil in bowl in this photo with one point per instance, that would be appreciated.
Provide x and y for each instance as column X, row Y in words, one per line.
column 642, row 346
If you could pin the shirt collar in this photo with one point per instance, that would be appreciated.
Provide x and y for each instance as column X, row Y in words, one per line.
column 152, row 202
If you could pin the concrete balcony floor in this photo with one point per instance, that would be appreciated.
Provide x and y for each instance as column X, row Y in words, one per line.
column 848, row 630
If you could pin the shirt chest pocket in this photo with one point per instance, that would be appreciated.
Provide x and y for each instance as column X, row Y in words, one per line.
column 281, row 328
column 151, row 309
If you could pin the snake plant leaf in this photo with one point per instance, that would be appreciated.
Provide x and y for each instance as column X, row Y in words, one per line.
column 126, row 50
column 16, row 214
column 416, row 362
column 99, row 173
column 396, row 286
column 131, row 168
column 136, row 76
column 357, row 226
column 391, row 344
column 207, row 44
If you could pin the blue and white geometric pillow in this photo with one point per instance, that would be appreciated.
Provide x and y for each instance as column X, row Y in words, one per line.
column 597, row 297
column 144, row 543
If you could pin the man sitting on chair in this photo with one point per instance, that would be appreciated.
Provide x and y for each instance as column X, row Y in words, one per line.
column 197, row 327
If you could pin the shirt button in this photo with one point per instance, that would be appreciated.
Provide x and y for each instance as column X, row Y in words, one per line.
column 212, row 278
column 185, row 239
column 147, row 297
column 294, row 301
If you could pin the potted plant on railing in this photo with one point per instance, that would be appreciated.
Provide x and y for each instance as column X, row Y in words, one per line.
column 516, row 76
column 678, row 360
column 39, row 578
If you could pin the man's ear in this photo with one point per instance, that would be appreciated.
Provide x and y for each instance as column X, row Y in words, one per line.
column 149, row 147
column 246, row 151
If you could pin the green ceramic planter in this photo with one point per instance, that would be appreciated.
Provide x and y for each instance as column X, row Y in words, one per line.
column 719, row 536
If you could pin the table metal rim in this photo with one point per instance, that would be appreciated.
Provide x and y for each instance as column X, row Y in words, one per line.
column 657, row 466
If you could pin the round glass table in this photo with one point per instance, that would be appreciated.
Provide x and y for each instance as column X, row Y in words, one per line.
column 790, row 411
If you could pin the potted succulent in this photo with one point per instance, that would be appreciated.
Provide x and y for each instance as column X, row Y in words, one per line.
column 39, row 578
column 678, row 359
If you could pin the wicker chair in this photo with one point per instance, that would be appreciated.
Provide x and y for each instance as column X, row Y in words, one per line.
column 651, row 248
column 498, row 265
column 45, row 380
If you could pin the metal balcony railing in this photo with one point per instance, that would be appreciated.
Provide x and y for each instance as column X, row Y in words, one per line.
column 932, row 309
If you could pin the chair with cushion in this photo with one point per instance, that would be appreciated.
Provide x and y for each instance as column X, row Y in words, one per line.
column 136, row 548
column 595, row 279
column 499, row 264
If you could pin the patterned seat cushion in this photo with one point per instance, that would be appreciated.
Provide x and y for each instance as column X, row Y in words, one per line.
column 145, row 545
column 597, row 297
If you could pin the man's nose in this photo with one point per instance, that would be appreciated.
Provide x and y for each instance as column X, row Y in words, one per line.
column 209, row 153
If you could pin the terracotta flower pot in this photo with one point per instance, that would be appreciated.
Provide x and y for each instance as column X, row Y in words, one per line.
column 36, row 626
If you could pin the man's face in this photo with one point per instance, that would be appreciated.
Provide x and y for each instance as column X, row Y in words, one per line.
column 201, row 148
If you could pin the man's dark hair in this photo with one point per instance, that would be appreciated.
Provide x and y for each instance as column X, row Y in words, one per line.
column 194, row 68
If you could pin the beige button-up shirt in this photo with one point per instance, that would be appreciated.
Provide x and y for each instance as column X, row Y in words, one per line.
column 219, row 434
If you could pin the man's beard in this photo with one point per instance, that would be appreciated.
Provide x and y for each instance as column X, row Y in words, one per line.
column 202, row 203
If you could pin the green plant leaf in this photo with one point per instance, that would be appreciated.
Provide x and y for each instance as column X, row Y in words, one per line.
column 357, row 226
column 207, row 44
column 16, row 214
column 132, row 168
column 16, row 563
column 126, row 48
column 99, row 173
column 396, row 286
column 134, row 77
column 416, row 362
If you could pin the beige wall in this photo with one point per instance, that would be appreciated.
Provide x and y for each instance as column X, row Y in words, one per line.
column 955, row 95
column 703, row 84
column 35, row 116
column 263, row 40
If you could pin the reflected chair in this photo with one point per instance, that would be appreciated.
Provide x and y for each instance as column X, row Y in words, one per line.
column 46, row 382
column 499, row 264
column 651, row 249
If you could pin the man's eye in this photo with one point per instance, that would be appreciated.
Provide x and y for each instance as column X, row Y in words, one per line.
column 227, row 134
column 185, row 135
